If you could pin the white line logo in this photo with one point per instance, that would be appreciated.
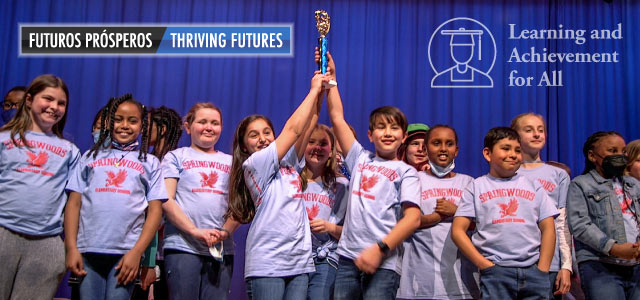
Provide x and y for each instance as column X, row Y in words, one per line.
column 458, row 55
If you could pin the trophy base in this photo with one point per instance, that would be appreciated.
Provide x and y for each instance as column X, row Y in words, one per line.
column 331, row 83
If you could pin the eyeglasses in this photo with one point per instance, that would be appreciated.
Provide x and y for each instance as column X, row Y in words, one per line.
column 9, row 105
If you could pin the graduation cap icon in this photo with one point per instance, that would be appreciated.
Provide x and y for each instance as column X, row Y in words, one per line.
column 465, row 66
column 464, row 37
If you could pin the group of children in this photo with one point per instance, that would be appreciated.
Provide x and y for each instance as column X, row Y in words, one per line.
column 329, row 219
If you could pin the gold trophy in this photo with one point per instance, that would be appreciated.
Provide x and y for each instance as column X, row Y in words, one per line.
column 323, row 23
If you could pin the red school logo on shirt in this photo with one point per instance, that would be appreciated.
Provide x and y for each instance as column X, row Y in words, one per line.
column 37, row 160
column 508, row 209
column 313, row 211
column 507, row 212
column 116, row 179
column 366, row 184
column 36, row 163
column 208, row 180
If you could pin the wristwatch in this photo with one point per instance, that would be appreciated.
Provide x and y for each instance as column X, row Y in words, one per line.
column 383, row 247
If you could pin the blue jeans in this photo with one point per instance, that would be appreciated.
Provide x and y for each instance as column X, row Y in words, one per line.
column 514, row 283
column 322, row 280
column 191, row 276
column 608, row 281
column 351, row 283
column 278, row 288
column 100, row 281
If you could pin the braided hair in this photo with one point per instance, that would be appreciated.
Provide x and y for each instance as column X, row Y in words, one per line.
column 108, row 116
column 590, row 144
column 169, row 130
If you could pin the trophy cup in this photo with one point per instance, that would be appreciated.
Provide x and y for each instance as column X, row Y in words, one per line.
column 323, row 23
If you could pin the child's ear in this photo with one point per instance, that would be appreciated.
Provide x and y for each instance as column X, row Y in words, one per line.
column 186, row 127
column 486, row 152
column 370, row 136
column 591, row 156
column 28, row 100
column 404, row 137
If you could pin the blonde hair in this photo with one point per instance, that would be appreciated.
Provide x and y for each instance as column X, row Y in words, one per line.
column 330, row 171
column 191, row 114
column 514, row 122
column 633, row 152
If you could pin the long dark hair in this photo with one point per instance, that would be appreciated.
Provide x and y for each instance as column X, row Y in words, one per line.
column 169, row 127
column 330, row 170
column 108, row 114
column 590, row 144
column 23, row 119
column 241, row 206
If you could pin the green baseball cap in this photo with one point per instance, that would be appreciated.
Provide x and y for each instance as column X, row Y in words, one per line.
column 417, row 127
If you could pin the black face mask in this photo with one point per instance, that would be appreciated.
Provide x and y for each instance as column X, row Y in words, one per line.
column 614, row 165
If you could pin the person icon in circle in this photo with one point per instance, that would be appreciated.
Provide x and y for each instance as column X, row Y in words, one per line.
column 462, row 52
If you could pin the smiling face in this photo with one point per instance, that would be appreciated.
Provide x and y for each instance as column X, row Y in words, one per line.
column 46, row 108
column 607, row 145
column 386, row 136
column 504, row 159
column 532, row 133
column 416, row 152
column 258, row 136
column 442, row 147
column 127, row 123
column 205, row 128
column 318, row 149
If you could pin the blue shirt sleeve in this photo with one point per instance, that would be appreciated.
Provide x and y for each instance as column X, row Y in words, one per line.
column 78, row 176
column 259, row 168
column 156, row 188
column 352, row 157
column 467, row 202
column 170, row 166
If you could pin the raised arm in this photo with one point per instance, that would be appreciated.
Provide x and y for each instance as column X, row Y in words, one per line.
column 336, row 112
column 301, row 143
column 295, row 125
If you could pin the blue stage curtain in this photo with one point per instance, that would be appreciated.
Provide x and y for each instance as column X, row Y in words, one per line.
column 381, row 52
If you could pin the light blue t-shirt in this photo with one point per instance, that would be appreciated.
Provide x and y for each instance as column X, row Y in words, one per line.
column 377, row 190
column 279, row 239
column 330, row 205
column 114, row 198
column 555, row 182
column 202, row 193
column 432, row 265
column 507, row 212
column 32, row 182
